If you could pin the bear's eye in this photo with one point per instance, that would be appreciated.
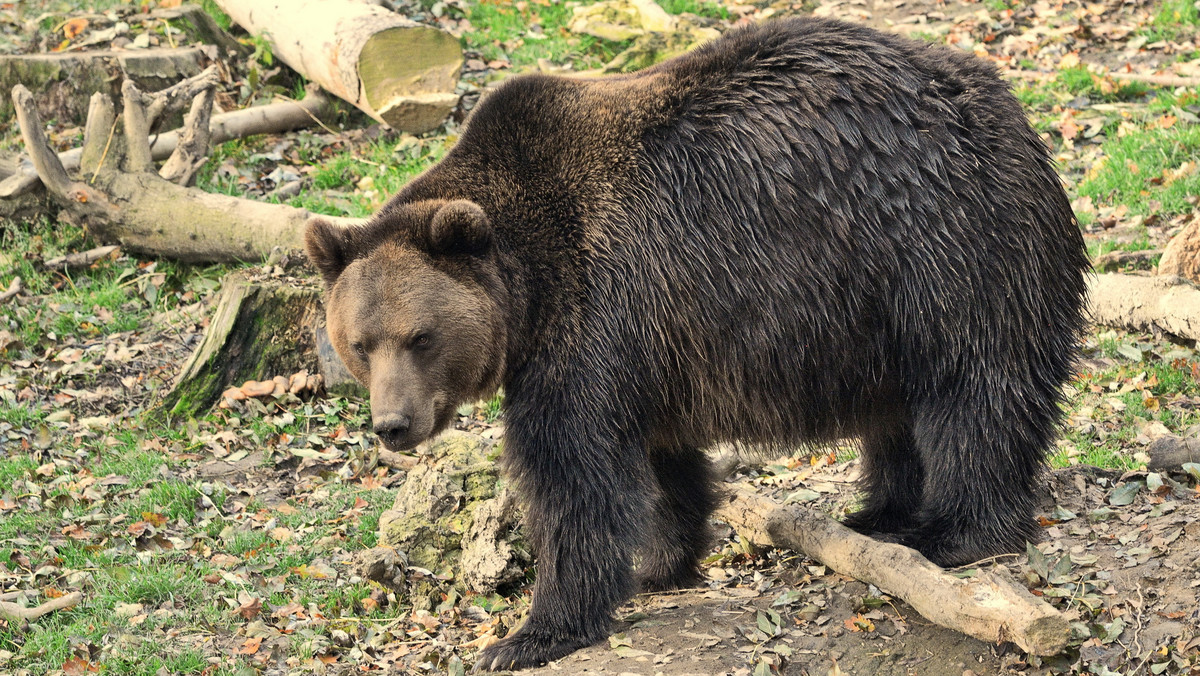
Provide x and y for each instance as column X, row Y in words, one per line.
column 421, row 340
column 359, row 350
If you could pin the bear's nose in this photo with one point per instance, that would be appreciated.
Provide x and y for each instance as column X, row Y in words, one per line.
column 393, row 430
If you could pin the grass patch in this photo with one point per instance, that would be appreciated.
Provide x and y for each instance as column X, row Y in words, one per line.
column 523, row 36
column 712, row 10
column 1136, row 168
column 1082, row 82
column 1174, row 19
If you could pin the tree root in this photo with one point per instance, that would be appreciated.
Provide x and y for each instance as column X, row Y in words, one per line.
column 125, row 201
column 986, row 606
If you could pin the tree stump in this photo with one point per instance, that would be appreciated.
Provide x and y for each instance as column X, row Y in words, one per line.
column 260, row 329
column 66, row 81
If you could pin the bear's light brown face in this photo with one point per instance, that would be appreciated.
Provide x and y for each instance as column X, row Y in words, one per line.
column 423, row 337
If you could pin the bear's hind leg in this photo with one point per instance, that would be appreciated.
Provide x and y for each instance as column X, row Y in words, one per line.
column 892, row 477
column 982, row 456
column 679, row 534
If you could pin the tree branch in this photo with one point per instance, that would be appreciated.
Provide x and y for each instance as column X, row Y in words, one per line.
column 53, row 174
column 986, row 606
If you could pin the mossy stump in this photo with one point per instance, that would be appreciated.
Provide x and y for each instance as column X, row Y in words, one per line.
column 454, row 517
column 260, row 329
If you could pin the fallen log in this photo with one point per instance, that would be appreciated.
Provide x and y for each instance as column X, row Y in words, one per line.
column 397, row 71
column 274, row 118
column 986, row 606
column 1170, row 452
column 13, row 612
column 1166, row 304
column 126, row 202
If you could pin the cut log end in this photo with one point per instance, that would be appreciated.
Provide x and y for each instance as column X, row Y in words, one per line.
column 408, row 76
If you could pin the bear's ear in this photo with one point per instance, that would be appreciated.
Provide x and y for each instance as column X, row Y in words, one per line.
column 460, row 227
column 330, row 247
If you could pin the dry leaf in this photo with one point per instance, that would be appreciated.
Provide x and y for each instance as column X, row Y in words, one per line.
column 72, row 28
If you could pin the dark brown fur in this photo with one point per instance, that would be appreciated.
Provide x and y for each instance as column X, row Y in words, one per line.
column 803, row 231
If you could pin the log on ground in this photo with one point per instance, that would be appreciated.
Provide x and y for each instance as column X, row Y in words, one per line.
column 66, row 81
column 397, row 71
column 1162, row 304
column 987, row 606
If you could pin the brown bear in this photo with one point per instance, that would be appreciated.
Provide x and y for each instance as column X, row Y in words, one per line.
column 803, row 231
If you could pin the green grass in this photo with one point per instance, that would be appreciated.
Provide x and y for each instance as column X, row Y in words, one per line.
column 502, row 31
column 706, row 8
column 1174, row 19
column 1082, row 82
column 1132, row 171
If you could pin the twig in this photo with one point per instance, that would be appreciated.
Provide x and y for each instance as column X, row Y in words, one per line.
column 15, row 613
column 14, row 287
column 80, row 259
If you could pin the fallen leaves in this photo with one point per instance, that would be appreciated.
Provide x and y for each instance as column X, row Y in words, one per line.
column 296, row 384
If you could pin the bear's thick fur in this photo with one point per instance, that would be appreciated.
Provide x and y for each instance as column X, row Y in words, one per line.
column 804, row 231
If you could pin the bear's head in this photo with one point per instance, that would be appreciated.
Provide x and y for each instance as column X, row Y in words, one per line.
column 413, row 308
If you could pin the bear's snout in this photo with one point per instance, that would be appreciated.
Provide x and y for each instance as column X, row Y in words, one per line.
column 393, row 430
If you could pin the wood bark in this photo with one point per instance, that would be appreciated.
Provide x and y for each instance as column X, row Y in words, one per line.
column 125, row 202
column 1141, row 303
column 1171, row 452
column 274, row 118
column 259, row 330
column 986, row 606
column 399, row 72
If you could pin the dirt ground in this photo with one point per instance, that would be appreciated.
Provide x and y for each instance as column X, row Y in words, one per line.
column 1131, row 579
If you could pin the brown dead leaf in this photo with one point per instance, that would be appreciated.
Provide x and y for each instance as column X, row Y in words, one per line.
column 1166, row 121
column 76, row 666
column 250, row 647
column 155, row 519
column 73, row 27
column 859, row 623
column 250, row 608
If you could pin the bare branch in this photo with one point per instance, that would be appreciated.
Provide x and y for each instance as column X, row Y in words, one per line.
column 192, row 151
column 14, row 287
column 45, row 160
column 273, row 118
column 174, row 97
column 986, row 606
column 137, row 130
column 98, row 134
column 80, row 259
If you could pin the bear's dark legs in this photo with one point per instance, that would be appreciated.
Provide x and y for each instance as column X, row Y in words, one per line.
column 982, row 455
column 679, row 535
column 585, row 497
column 892, row 478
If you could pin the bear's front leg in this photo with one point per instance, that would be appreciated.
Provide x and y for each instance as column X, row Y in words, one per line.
column 584, row 496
